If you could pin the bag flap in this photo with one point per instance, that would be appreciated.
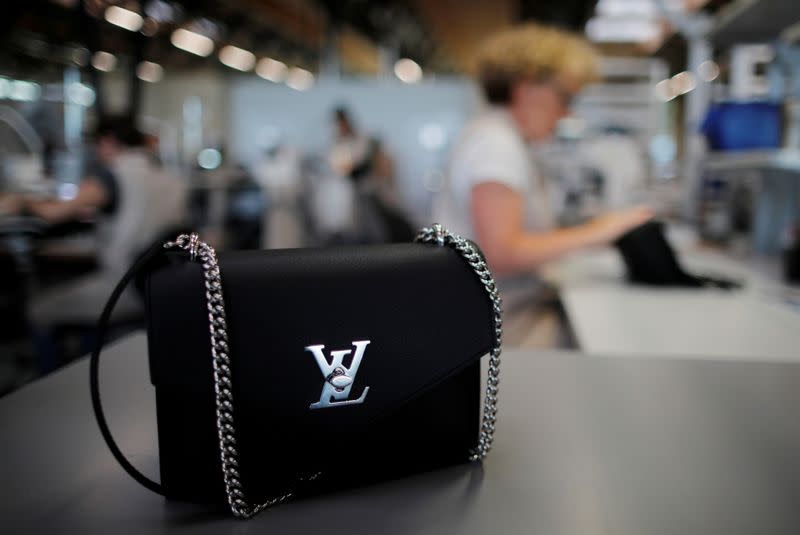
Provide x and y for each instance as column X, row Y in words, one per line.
column 392, row 320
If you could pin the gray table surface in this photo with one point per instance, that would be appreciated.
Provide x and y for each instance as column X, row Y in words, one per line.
column 585, row 445
column 609, row 316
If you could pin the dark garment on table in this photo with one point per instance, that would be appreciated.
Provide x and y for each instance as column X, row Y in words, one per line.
column 651, row 260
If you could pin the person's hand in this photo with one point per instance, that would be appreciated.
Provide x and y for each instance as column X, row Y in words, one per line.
column 611, row 226
column 11, row 204
column 86, row 213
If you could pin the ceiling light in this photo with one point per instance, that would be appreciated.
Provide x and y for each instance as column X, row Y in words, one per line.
column 5, row 88
column 209, row 159
column 622, row 30
column 80, row 94
column 299, row 79
column 664, row 91
column 408, row 71
column 708, row 70
column 124, row 18
column 271, row 69
column 237, row 58
column 24, row 91
column 683, row 82
column 104, row 61
column 149, row 71
column 192, row 42
column 626, row 8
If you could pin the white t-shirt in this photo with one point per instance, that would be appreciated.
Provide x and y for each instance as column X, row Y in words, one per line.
column 491, row 150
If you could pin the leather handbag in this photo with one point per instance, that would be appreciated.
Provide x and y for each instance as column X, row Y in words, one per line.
column 286, row 373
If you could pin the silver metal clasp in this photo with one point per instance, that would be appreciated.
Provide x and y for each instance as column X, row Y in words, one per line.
column 188, row 242
column 194, row 245
column 339, row 379
column 177, row 242
column 439, row 233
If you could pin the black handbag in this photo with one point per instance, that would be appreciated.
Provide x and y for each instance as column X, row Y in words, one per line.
column 293, row 372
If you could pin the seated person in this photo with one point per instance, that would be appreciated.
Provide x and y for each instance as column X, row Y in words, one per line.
column 494, row 193
column 136, row 202
column 529, row 76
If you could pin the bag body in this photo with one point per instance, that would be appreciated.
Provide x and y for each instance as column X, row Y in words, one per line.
column 347, row 365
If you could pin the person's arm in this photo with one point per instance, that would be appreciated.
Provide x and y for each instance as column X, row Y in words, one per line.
column 91, row 196
column 498, row 218
column 11, row 203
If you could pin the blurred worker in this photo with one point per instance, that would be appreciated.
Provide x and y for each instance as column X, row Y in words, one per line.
column 368, row 165
column 132, row 197
column 364, row 159
column 494, row 192
column 136, row 203
column 278, row 173
column 350, row 153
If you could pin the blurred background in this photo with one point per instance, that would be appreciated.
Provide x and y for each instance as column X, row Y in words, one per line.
column 278, row 123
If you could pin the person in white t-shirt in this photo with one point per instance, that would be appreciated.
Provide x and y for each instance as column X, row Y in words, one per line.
column 493, row 193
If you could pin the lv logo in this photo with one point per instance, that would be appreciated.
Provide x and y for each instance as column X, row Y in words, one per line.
column 338, row 378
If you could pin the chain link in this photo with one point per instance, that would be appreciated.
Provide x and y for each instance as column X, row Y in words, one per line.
column 223, row 387
column 440, row 236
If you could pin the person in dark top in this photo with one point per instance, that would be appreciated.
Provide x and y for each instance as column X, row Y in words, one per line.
column 98, row 192
column 135, row 203
column 365, row 161
column 108, row 182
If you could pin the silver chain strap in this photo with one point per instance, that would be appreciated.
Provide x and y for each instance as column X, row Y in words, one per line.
column 207, row 256
column 223, row 388
column 440, row 236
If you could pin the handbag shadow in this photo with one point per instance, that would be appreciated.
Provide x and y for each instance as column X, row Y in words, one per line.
column 415, row 490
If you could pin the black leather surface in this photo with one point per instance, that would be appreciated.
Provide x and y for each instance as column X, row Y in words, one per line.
column 428, row 321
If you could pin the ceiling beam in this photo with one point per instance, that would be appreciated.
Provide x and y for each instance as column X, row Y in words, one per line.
column 358, row 53
column 459, row 26
column 298, row 20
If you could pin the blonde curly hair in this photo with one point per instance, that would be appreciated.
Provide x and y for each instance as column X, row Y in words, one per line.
column 533, row 52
